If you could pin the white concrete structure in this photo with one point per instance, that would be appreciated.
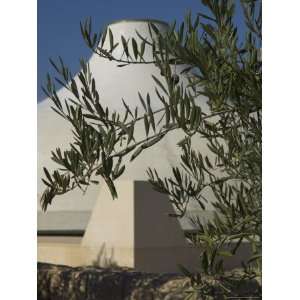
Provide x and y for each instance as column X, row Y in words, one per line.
column 113, row 83
column 135, row 230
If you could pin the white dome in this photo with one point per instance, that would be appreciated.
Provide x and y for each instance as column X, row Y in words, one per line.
column 113, row 84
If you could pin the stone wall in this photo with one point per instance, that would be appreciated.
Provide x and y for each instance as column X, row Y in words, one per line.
column 88, row 283
column 62, row 283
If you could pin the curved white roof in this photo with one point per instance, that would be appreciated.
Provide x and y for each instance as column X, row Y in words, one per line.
column 113, row 84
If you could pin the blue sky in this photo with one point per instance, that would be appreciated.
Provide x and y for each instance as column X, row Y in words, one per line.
column 59, row 31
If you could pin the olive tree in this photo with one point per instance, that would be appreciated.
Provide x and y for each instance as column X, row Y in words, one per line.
column 223, row 67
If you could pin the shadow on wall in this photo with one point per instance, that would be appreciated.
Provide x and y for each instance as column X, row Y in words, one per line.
column 105, row 259
column 160, row 243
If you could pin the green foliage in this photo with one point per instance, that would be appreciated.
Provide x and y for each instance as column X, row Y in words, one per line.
column 221, row 68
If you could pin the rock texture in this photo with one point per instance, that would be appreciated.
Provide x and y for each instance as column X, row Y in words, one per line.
column 88, row 283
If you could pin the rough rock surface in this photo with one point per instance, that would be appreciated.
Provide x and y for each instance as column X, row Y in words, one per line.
column 89, row 283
